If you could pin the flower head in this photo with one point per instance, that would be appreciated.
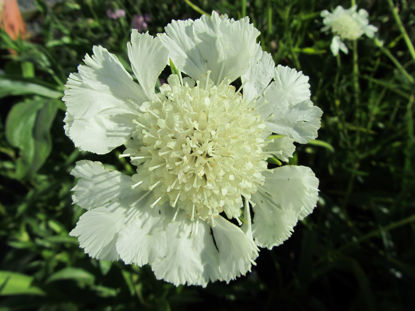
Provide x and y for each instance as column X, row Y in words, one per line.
column 200, row 148
column 139, row 22
column 346, row 24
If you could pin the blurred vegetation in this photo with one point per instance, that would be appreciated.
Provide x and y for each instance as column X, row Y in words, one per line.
column 355, row 252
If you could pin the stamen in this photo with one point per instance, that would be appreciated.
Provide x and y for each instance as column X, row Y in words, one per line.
column 139, row 157
column 154, row 185
column 172, row 185
column 152, row 168
column 136, row 184
column 124, row 155
column 153, row 113
column 155, row 202
column 207, row 80
column 175, row 214
column 196, row 226
column 175, row 201
column 139, row 124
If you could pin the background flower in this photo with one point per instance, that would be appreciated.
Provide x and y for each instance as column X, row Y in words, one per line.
column 346, row 24
column 116, row 14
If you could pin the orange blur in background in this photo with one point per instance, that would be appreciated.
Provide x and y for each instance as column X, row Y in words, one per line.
column 11, row 19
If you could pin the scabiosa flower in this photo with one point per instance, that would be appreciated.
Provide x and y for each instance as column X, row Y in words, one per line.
column 200, row 148
column 139, row 22
column 346, row 24
column 118, row 13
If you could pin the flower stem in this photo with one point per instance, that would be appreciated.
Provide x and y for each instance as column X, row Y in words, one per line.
column 377, row 232
column 402, row 29
column 196, row 8
column 394, row 61
column 356, row 87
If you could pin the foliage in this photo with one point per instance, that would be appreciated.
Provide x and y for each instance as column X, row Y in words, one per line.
column 359, row 243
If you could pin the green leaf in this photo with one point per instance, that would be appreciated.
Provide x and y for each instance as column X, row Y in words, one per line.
column 27, row 128
column 75, row 274
column 13, row 283
column 320, row 143
column 10, row 86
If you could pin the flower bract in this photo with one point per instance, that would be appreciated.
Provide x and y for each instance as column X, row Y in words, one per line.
column 202, row 198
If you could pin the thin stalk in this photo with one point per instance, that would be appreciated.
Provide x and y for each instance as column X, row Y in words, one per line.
column 394, row 61
column 377, row 232
column 402, row 29
column 243, row 8
column 356, row 87
column 196, row 8
column 269, row 18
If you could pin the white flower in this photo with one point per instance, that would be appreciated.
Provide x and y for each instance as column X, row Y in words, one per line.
column 200, row 149
column 346, row 24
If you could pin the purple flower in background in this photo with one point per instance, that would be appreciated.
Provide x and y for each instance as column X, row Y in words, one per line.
column 139, row 22
column 118, row 13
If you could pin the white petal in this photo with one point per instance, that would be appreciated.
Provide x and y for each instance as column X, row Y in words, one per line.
column 143, row 240
column 299, row 121
column 289, row 193
column 259, row 75
column 370, row 30
column 191, row 257
column 148, row 57
column 282, row 147
column 97, row 232
column 184, row 252
column 98, row 187
column 272, row 225
column 101, row 100
column 237, row 250
column 224, row 46
column 291, row 85
column 335, row 45
column 343, row 47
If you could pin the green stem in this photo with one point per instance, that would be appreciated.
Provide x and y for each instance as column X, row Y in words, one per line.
column 356, row 87
column 394, row 60
column 377, row 232
column 269, row 9
column 196, row 8
column 402, row 29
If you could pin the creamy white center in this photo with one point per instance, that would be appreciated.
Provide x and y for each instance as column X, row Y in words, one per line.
column 200, row 147
column 347, row 27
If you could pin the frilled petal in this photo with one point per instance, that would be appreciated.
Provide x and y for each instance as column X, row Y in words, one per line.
column 212, row 43
column 299, row 121
column 148, row 57
column 287, row 108
column 98, row 187
column 97, row 231
column 289, row 193
column 290, row 85
column 101, row 101
column 282, row 147
column 109, row 199
column 191, row 257
column 272, row 225
column 259, row 75
column 237, row 251
column 181, row 251
column 143, row 240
